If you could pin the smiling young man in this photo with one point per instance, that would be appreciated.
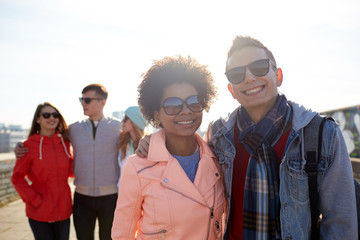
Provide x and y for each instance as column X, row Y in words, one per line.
column 261, row 150
column 96, row 169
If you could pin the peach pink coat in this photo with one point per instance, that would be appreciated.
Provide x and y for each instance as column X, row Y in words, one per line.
column 157, row 200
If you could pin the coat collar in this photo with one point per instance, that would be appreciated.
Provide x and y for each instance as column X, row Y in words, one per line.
column 159, row 153
column 175, row 178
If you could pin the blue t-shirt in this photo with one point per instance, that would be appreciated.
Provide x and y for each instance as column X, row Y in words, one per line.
column 189, row 163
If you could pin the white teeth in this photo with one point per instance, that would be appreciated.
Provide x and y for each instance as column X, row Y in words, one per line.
column 185, row 122
column 254, row 90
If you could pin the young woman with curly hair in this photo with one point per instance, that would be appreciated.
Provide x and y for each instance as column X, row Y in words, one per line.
column 177, row 191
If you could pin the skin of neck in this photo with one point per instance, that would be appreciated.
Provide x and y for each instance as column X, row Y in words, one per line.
column 96, row 117
column 47, row 133
column 258, row 113
column 182, row 147
column 132, row 135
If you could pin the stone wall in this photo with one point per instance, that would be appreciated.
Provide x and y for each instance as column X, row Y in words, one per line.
column 355, row 162
column 7, row 190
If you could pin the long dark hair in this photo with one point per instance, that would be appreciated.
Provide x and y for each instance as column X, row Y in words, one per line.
column 62, row 127
column 125, row 140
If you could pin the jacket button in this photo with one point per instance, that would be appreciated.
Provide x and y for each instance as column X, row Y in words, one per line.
column 165, row 180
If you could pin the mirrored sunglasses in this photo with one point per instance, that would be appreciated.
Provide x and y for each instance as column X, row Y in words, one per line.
column 174, row 105
column 258, row 68
column 47, row 115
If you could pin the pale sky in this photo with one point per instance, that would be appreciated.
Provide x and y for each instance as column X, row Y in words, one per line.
column 50, row 50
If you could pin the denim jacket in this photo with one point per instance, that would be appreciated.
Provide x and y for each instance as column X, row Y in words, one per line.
column 335, row 178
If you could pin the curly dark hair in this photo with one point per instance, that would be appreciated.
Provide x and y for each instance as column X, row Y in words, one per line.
column 170, row 70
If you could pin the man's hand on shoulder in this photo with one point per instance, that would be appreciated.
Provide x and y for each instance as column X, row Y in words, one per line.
column 20, row 150
column 143, row 147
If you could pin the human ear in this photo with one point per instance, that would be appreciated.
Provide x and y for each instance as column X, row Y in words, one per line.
column 279, row 77
column 103, row 102
column 231, row 90
column 157, row 118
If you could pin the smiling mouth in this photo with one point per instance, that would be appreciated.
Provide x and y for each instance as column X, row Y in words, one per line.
column 254, row 90
column 186, row 122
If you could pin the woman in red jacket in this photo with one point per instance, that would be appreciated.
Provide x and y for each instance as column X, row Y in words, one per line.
column 41, row 176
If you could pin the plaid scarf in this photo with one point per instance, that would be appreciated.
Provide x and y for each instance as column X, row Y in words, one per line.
column 261, row 220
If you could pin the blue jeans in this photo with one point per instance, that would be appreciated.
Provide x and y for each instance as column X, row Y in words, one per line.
column 87, row 209
column 50, row 231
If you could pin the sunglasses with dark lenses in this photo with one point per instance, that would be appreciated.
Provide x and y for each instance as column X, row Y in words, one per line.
column 258, row 68
column 174, row 105
column 125, row 118
column 87, row 100
column 46, row 115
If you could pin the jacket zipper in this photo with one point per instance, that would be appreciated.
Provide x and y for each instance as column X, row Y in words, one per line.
column 93, row 185
column 210, row 208
column 94, row 158
column 154, row 233
column 57, row 176
column 211, row 215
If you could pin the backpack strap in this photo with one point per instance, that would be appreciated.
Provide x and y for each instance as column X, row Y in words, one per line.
column 313, row 141
column 357, row 194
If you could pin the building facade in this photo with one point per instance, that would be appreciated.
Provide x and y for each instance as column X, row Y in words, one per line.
column 10, row 135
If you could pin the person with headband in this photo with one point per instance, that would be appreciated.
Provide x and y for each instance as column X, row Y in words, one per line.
column 132, row 131
column 177, row 191
column 47, row 165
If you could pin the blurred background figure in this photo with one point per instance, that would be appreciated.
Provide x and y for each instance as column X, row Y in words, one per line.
column 96, row 169
column 41, row 175
column 133, row 125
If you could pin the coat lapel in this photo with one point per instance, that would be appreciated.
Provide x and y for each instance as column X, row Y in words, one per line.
column 174, row 177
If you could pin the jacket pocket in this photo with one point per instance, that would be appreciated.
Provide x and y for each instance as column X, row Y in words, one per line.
column 156, row 220
column 161, row 234
column 297, row 181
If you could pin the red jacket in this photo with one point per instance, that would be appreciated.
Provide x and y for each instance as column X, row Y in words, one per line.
column 47, row 164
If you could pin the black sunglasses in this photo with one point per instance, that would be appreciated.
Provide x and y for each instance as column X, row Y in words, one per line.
column 87, row 100
column 46, row 115
column 259, row 68
column 174, row 105
column 125, row 118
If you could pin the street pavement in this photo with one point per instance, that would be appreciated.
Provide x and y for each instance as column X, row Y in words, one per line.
column 14, row 224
